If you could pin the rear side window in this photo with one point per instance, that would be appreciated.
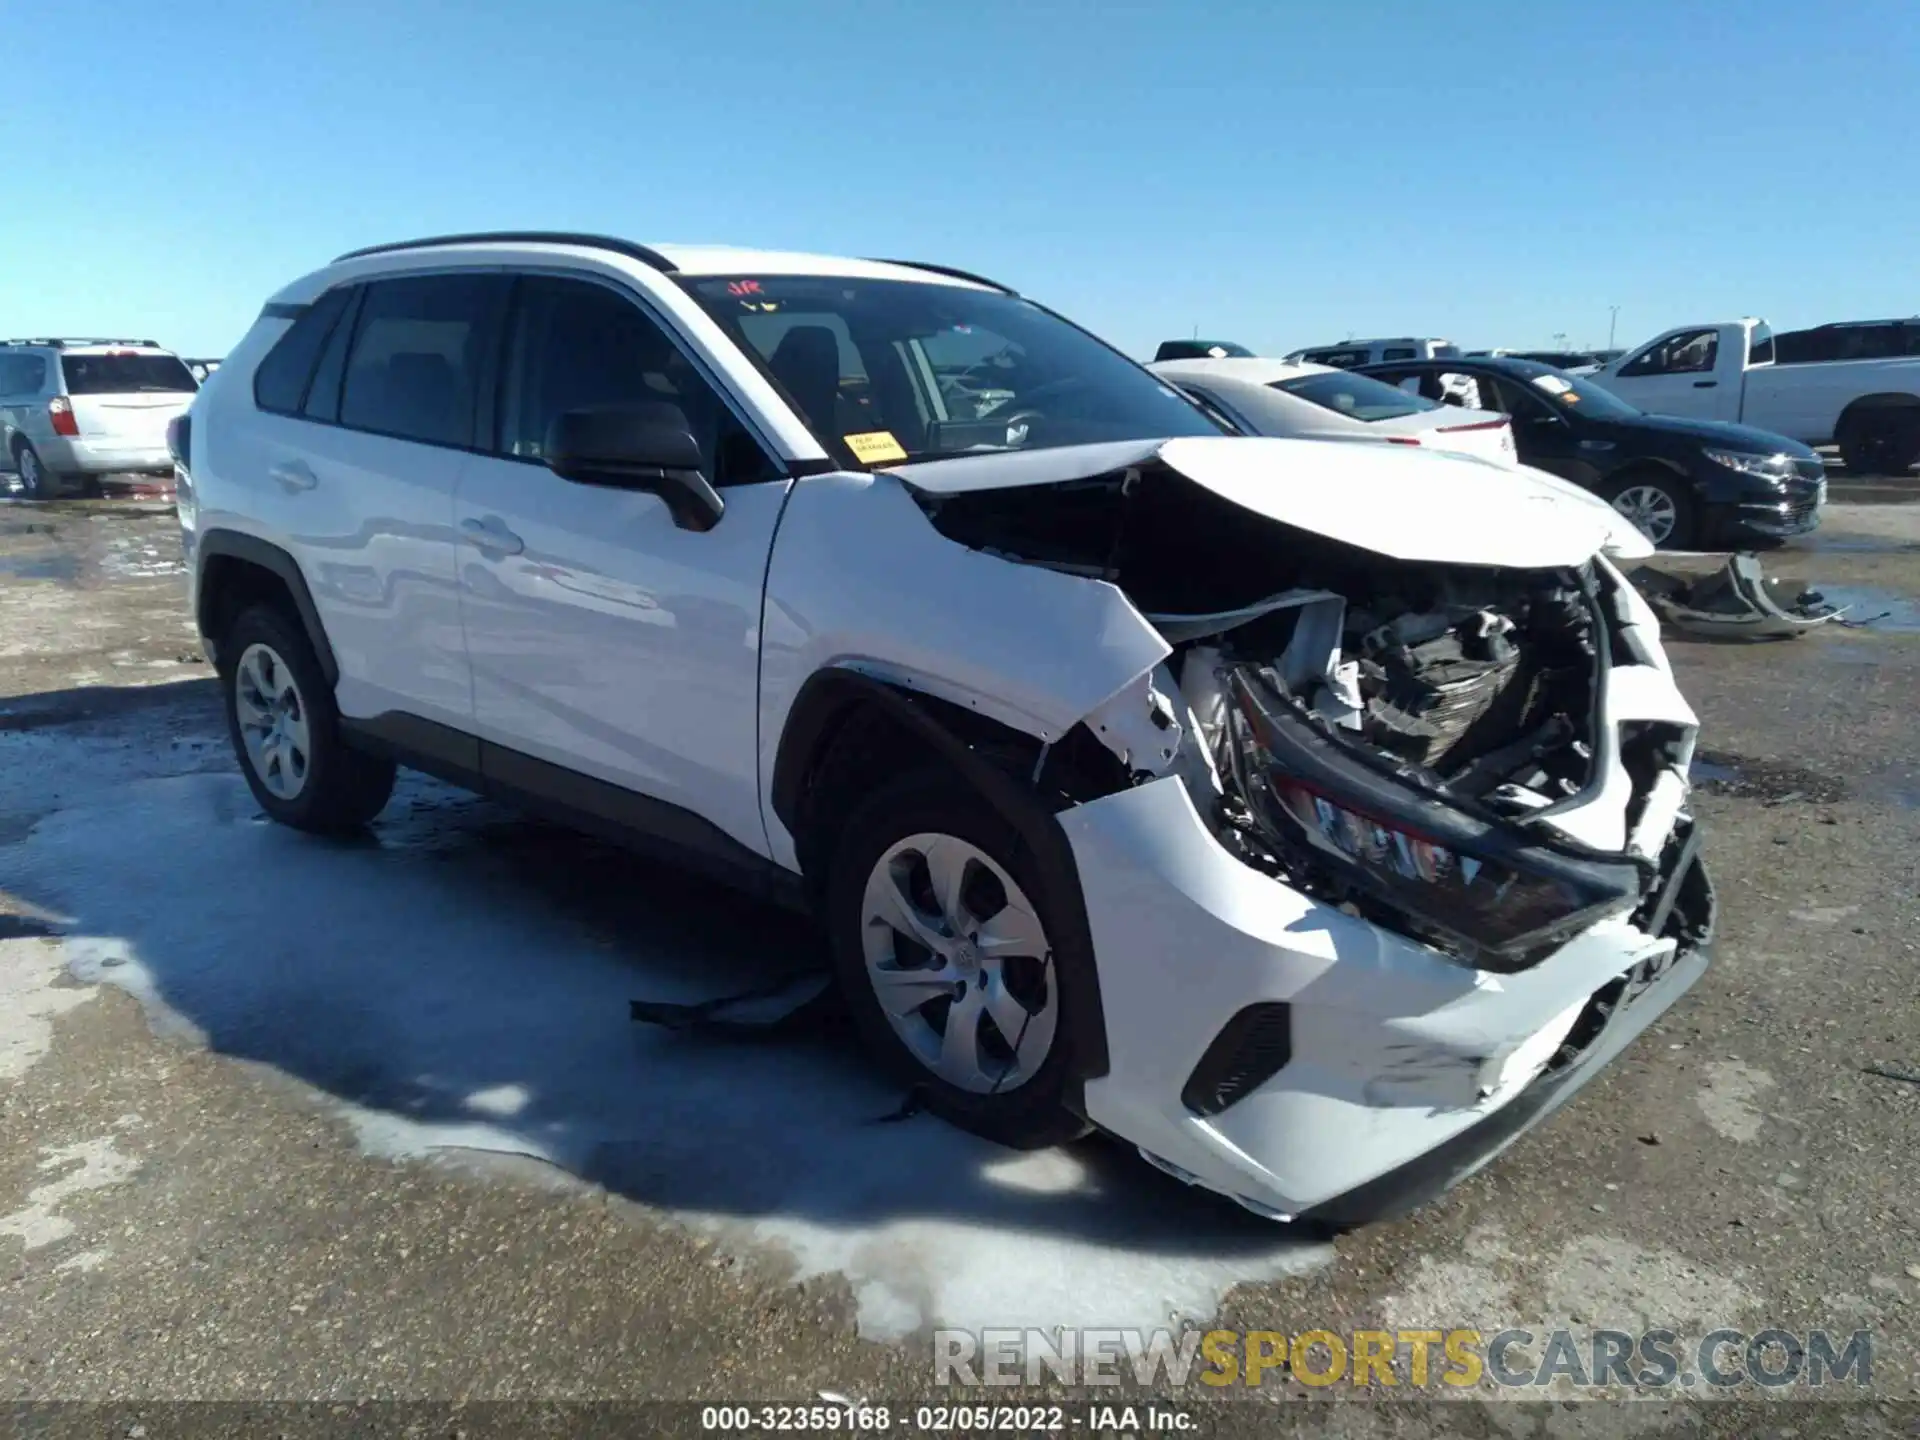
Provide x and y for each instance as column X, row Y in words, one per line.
column 1358, row 397
column 1760, row 347
column 280, row 384
column 1446, row 352
column 323, row 395
column 126, row 374
column 22, row 374
column 417, row 352
column 1399, row 352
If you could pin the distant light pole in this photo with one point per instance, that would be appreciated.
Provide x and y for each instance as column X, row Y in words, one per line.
column 1613, row 316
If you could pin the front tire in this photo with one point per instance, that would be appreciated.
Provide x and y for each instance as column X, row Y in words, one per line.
column 286, row 731
column 1659, row 506
column 944, row 944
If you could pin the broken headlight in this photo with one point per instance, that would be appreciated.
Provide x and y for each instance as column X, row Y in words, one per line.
column 1478, row 888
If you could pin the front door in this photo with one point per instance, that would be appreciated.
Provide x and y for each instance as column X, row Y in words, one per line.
column 1680, row 374
column 603, row 638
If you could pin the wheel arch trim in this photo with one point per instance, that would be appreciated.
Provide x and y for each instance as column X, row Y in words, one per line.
column 830, row 696
column 252, row 550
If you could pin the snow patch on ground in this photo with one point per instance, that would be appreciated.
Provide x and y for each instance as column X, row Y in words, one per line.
column 87, row 1165
column 460, row 982
column 30, row 998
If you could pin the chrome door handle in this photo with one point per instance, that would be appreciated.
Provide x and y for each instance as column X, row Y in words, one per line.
column 491, row 535
column 293, row 476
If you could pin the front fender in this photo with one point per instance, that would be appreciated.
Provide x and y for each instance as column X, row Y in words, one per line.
column 860, row 581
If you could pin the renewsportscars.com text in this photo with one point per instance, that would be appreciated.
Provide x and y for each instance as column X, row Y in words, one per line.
column 1514, row 1358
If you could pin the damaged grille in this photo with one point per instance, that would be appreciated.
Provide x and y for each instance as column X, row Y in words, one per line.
column 1250, row 1050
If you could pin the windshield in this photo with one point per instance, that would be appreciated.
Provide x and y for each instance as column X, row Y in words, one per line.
column 1571, row 392
column 1358, row 397
column 890, row 370
column 125, row 374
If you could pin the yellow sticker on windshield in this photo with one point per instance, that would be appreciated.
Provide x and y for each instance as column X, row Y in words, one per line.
column 875, row 447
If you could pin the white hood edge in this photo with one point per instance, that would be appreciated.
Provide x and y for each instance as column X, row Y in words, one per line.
column 1396, row 501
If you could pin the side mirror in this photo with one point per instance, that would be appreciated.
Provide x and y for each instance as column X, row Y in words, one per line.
column 637, row 445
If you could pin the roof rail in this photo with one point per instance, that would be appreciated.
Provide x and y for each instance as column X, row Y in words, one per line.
column 63, row 341
column 946, row 270
column 522, row 237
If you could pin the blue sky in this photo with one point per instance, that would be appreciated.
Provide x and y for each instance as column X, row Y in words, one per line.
column 1277, row 172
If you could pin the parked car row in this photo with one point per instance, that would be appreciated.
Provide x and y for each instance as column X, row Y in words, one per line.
column 1681, row 483
column 1310, row 816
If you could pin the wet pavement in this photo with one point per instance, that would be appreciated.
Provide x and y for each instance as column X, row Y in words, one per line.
column 280, row 1119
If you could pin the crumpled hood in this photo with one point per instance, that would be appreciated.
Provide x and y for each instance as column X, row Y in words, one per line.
column 1404, row 503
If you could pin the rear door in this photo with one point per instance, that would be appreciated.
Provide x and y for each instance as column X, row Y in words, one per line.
column 366, row 412
column 123, row 399
column 1545, row 439
column 604, row 639
column 23, row 399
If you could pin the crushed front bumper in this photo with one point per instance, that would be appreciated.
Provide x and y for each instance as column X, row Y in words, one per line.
column 1401, row 1070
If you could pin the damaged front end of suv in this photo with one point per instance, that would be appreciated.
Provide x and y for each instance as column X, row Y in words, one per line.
column 1389, row 851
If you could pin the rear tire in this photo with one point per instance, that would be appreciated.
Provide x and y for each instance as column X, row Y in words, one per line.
column 1658, row 504
column 286, row 730
column 972, row 971
column 1880, row 442
column 36, row 481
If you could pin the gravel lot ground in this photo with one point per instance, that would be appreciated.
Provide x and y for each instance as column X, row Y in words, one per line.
column 254, row 1092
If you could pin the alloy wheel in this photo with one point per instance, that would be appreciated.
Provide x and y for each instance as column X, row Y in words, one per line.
column 1651, row 509
column 960, row 964
column 273, row 721
column 33, row 478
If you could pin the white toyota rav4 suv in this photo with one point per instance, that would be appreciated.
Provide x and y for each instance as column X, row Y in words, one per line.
column 1311, row 817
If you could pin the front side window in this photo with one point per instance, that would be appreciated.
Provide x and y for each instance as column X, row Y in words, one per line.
column 1689, row 353
column 1358, row 397
column 890, row 370
column 416, row 357
column 126, row 375
column 575, row 344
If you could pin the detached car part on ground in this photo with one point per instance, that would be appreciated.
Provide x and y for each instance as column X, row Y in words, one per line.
column 1311, row 817
column 1734, row 600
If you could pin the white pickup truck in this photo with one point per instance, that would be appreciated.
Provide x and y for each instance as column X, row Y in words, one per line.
column 1870, row 408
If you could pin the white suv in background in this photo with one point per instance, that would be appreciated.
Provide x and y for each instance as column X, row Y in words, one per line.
column 1352, row 354
column 1312, row 817
column 75, row 410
